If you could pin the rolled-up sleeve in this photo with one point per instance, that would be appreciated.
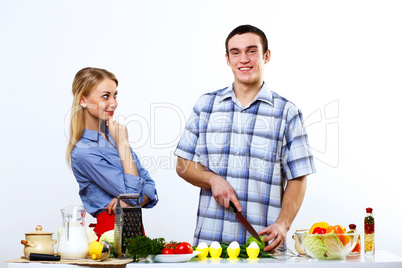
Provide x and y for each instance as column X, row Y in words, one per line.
column 148, row 188
column 92, row 166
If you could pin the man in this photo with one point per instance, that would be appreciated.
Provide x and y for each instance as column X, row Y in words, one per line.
column 247, row 145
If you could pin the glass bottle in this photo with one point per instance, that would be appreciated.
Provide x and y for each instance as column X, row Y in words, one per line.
column 357, row 249
column 369, row 248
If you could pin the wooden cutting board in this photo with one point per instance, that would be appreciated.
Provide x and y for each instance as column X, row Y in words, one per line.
column 87, row 262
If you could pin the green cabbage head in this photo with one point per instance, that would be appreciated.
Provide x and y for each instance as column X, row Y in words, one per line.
column 335, row 248
column 314, row 247
column 109, row 237
column 325, row 247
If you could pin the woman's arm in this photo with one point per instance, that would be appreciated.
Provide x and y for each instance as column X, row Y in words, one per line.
column 120, row 135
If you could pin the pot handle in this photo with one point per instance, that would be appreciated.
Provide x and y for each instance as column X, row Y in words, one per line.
column 28, row 243
column 54, row 241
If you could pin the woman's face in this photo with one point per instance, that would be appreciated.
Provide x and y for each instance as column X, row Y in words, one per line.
column 100, row 103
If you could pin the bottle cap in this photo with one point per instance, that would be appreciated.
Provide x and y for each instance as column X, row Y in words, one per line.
column 369, row 210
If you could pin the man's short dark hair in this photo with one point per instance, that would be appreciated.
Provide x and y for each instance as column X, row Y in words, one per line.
column 242, row 29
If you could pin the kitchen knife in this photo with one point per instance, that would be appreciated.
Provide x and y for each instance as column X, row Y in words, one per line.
column 244, row 222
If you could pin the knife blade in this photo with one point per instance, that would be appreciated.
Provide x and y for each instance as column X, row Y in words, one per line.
column 244, row 222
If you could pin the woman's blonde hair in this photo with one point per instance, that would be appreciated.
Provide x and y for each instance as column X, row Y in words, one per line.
column 84, row 82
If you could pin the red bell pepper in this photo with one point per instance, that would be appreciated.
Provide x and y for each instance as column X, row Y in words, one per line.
column 319, row 230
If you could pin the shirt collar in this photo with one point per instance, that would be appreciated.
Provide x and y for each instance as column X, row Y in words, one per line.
column 90, row 134
column 265, row 95
column 227, row 93
column 93, row 135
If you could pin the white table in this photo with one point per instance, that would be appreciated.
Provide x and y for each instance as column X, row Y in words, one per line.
column 380, row 260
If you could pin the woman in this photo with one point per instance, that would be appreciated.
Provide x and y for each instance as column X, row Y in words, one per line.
column 99, row 152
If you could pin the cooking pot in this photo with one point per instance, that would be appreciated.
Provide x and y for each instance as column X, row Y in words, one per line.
column 38, row 242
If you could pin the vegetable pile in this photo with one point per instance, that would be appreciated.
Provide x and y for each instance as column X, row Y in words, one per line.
column 177, row 248
column 327, row 242
column 142, row 246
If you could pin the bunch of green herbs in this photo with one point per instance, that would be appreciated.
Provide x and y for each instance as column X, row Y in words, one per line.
column 143, row 246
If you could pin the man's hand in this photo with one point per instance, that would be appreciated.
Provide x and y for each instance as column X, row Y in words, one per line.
column 223, row 192
column 197, row 175
column 292, row 200
column 275, row 232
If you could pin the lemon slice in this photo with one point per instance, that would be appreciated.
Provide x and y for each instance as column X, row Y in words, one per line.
column 321, row 224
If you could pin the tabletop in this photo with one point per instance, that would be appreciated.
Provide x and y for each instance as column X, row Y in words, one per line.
column 380, row 259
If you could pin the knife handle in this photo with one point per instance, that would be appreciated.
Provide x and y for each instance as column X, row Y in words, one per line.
column 43, row 257
column 233, row 206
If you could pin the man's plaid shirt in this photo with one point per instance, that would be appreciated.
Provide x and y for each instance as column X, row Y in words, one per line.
column 255, row 148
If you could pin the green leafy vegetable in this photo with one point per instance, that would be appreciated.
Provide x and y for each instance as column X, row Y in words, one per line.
column 262, row 244
column 266, row 254
column 109, row 237
column 243, row 251
column 224, row 246
column 315, row 247
column 143, row 246
column 335, row 249
column 325, row 247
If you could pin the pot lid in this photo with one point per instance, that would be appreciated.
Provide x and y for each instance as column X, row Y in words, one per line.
column 39, row 231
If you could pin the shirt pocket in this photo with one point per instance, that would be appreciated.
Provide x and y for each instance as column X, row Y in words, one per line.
column 264, row 159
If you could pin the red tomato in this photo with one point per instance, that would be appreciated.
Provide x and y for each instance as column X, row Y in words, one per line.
column 183, row 248
column 168, row 251
column 171, row 245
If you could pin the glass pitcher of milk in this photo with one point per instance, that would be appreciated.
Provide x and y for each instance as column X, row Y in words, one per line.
column 73, row 241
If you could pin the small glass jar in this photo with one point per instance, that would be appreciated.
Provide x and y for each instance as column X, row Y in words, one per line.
column 357, row 249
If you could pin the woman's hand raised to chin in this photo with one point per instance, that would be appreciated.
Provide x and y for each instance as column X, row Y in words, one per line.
column 120, row 135
column 118, row 132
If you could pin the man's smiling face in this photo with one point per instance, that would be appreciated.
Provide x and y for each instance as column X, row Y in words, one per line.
column 246, row 59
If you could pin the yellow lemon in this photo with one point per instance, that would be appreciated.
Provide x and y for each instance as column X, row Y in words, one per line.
column 215, row 252
column 95, row 250
column 203, row 254
column 233, row 252
column 321, row 224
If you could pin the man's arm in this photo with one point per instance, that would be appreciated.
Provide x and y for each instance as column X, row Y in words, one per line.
column 197, row 175
column 291, row 203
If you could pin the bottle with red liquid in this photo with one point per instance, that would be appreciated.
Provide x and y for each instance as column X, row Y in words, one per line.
column 369, row 248
column 357, row 248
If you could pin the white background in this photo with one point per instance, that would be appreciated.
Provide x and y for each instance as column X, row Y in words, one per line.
column 339, row 61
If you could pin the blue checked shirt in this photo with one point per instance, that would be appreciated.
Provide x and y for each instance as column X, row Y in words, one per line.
column 255, row 148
